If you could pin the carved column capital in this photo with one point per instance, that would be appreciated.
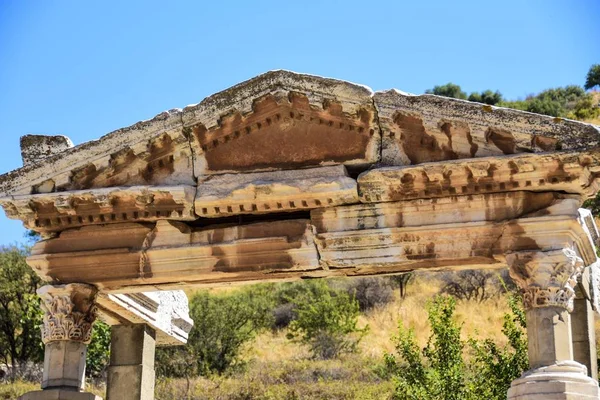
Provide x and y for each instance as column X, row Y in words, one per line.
column 546, row 278
column 69, row 312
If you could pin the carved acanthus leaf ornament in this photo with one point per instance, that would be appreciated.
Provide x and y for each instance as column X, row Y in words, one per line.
column 546, row 278
column 69, row 312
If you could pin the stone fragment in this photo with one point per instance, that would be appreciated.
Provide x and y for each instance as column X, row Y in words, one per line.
column 52, row 212
column 573, row 172
column 426, row 128
column 167, row 312
column 283, row 120
column 34, row 148
column 267, row 192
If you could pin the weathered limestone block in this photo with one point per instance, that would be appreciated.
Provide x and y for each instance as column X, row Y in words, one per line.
column 266, row 192
column 34, row 148
column 69, row 313
column 445, row 210
column 258, row 251
column 166, row 312
column 426, row 128
column 63, row 210
column 131, row 369
column 283, row 120
column 152, row 152
column 575, row 173
column 442, row 232
column 172, row 253
column 547, row 281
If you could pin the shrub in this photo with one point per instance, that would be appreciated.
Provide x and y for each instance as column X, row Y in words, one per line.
column 222, row 325
column 470, row 284
column 327, row 321
column 401, row 281
column 370, row 292
column 439, row 373
column 499, row 366
column 98, row 351
column 20, row 315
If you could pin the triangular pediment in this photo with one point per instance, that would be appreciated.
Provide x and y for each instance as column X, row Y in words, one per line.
column 171, row 165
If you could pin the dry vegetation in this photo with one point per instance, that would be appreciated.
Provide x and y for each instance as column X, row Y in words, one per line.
column 279, row 369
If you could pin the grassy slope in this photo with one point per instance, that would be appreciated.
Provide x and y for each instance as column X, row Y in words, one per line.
column 279, row 369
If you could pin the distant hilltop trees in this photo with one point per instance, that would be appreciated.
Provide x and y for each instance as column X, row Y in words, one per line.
column 565, row 102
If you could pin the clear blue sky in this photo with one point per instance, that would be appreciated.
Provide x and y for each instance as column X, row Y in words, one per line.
column 83, row 68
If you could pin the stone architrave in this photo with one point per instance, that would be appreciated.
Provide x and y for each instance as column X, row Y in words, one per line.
column 547, row 280
column 69, row 314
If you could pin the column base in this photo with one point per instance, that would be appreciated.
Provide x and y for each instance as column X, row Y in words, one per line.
column 59, row 394
column 565, row 380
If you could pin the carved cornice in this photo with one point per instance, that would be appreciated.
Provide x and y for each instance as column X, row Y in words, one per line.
column 49, row 212
column 69, row 312
column 570, row 172
column 546, row 278
column 265, row 192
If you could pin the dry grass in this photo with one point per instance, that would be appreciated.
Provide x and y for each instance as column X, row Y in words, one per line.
column 280, row 369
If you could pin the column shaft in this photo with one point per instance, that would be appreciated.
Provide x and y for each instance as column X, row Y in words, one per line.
column 584, row 336
column 131, row 370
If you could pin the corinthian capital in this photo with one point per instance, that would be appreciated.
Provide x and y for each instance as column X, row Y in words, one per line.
column 546, row 278
column 69, row 312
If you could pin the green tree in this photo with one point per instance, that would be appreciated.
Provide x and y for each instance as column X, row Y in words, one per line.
column 20, row 315
column 223, row 324
column 486, row 97
column 98, row 351
column 439, row 371
column 593, row 77
column 327, row 321
column 498, row 366
column 448, row 90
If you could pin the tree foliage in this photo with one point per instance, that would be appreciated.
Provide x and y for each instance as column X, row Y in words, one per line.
column 223, row 324
column 440, row 372
column 98, row 351
column 486, row 97
column 499, row 366
column 593, row 77
column 448, row 90
column 327, row 321
column 20, row 315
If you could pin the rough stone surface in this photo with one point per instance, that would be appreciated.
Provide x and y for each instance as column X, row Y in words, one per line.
column 34, row 148
column 51, row 212
column 572, row 172
column 261, row 193
column 131, row 369
column 167, row 312
column 565, row 380
column 58, row 394
column 425, row 128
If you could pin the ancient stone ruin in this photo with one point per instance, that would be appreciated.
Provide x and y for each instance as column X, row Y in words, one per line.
column 289, row 176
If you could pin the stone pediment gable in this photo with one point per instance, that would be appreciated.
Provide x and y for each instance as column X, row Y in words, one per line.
column 287, row 142
column 283, row 120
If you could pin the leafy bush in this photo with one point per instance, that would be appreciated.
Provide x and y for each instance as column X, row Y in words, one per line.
column 370, row 292
column 498, row 367
column 98, row 351
column 20, row 338
column 472, row 284
column 222, row 325
column 439, row 371
column 327, row 321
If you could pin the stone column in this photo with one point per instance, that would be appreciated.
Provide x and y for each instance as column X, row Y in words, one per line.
column 582, row 321
column 547, row 280
column 69, row 313
column 131, row 370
